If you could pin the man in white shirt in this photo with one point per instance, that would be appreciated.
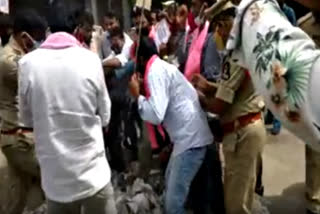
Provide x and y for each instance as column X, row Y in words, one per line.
column 117, row 82
column 64, row 98
column 169, row 99
column 110, row 23
column 121, row 46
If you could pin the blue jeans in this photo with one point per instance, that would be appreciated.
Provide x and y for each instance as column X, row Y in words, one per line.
column 180, row 173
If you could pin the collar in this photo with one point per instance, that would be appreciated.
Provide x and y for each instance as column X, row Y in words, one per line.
column 15, row 46
column 60, row 40
column 151, row 61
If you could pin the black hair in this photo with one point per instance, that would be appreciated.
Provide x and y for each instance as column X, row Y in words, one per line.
column 66, row 21
column 28, row 20
column 6, row 26
column 84, row 17
column 111, row 15
column 117, row 32
column 230, row 12
column 209, row 2
column 147, row 49
column 138, row 12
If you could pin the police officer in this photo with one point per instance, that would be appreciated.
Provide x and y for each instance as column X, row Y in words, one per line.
column 244, row 137
column 311, row 25
column 17, row 142
column 240, row 111
column 234, row 99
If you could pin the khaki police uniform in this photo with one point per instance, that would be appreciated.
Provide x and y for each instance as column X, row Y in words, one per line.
column 17, row 142
column 312, row 28
column 244, row 137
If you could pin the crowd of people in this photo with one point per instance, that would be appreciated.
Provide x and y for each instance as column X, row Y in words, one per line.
column 77, row 98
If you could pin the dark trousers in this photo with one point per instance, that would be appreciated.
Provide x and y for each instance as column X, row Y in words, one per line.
column 206, row 193
column 121, row 139
column 113, row 141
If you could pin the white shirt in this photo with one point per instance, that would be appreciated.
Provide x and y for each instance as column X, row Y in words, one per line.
column 175, row 103
column 105, row 46
column 64, row 98
column 124, row 56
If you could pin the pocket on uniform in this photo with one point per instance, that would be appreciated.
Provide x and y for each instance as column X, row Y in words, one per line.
column 230, row 142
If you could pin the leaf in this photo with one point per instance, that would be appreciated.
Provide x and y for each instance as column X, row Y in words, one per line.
column 260, row 55
column 271, row 27
column 259, row 36
column 258, row 66
column 269, row 55
column 287, row 37
column 297, row 77
column 277, row 36
column 264, row 65
column 278, row 56
column 257, row 48
column 269, row 36
column 269, row 83
column 317, row 127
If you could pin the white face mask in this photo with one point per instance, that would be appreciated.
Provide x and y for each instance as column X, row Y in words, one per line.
column 35, row 44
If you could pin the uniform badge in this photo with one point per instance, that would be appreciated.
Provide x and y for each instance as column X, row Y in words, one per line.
column 226, row 71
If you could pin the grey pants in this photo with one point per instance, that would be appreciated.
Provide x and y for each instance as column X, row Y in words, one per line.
column 101, row 203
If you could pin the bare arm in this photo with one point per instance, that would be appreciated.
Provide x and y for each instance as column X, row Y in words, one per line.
column 113, row 63
column 207, row 95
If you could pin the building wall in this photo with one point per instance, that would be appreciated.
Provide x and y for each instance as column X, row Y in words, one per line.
column 42, row 6
column 121, row 8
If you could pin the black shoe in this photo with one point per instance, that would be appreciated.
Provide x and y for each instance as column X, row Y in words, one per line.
column 260, row 191
column 310, row 212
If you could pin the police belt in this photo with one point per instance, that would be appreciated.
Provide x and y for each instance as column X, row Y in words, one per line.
column 17, row 130
column 240, row 122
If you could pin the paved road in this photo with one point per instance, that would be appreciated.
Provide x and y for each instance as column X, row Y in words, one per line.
column 284, row 174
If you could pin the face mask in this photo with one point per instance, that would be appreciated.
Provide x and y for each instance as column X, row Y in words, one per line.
column 35, row 44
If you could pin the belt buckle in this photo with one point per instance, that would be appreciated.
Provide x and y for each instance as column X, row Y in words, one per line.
column 19, row 131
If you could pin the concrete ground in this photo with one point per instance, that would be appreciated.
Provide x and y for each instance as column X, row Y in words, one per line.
column 284, row 174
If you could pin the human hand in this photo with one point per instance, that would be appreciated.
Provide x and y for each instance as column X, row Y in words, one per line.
column 201, row 18
column 203, row 8
column 203, row 100
column 199, row 82
column 163, row 15
column 134, row 86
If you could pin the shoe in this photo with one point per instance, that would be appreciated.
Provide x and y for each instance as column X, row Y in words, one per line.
column 276, row 127
column 260, row 191
column 310, row 212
